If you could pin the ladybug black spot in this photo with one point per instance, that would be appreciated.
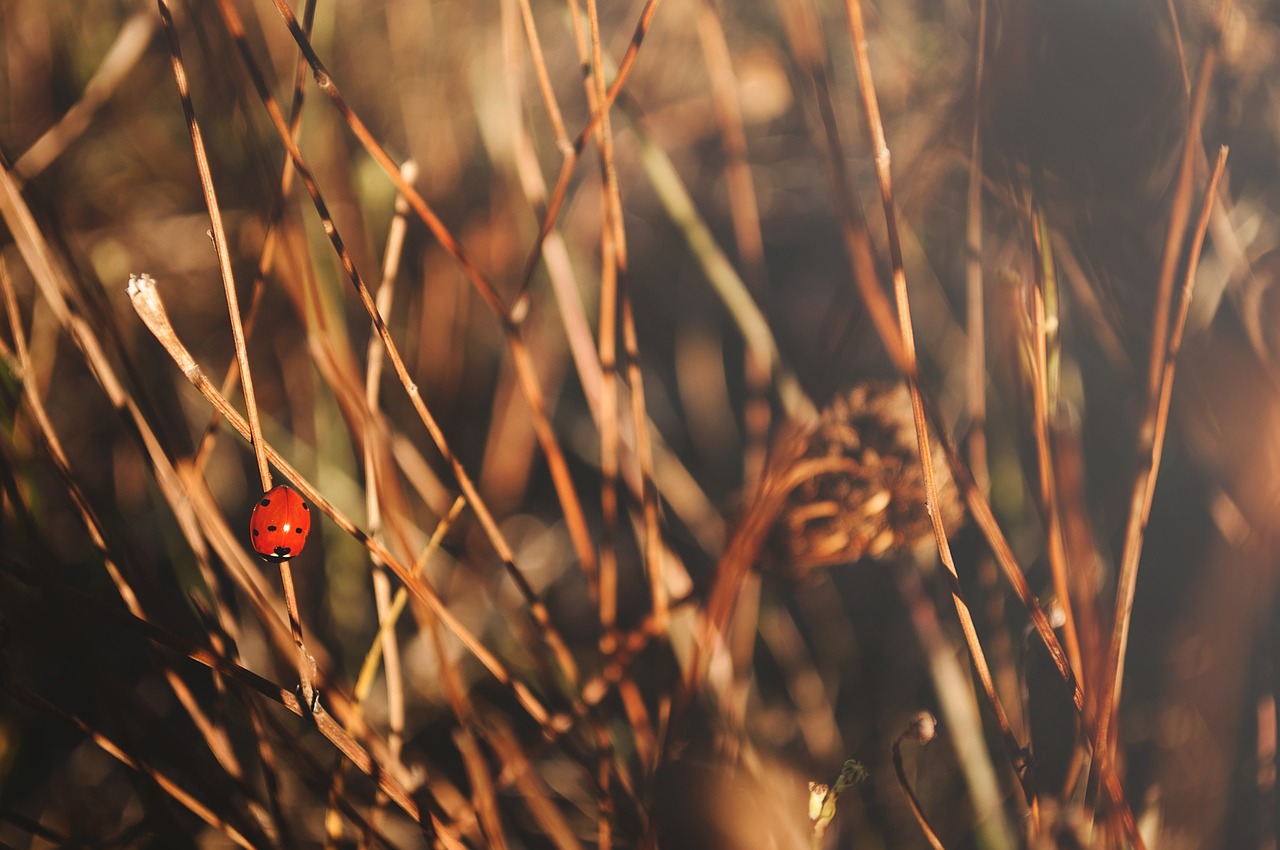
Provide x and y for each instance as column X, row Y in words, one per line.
column 255, row 532
column 271, row 528
column 305, row 506
column 265, row 502
column 297, row 531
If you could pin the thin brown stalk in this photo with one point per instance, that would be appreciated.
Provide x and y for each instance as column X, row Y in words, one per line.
column 604, row 811
column 633, row 705
column 1179, row 47
column 266, row 257
column 1154, row 423
column 577, row 330
column 387, row 621
column 608, row 601
column 613, row 266
column 390, row 647
column 744, row 212
column 1081, row 550
column 1265, row 780
column 1176, row 230
column 559, row 268
column 880, row 147
column 570, row 159
column 306, row 664
column 482, row 789
column 1148, row 438
column 653, row 548
column 221, row 247
column 1041, row 405
column 960, row 705
column 975, row 290
column 122, row 57
column 980, row 510
column 913, row 731
column 804, row 33
column 533, row 793
column 544, row 79
column 615, row 310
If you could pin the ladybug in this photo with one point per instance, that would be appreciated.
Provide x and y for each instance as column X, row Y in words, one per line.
column 279, row 525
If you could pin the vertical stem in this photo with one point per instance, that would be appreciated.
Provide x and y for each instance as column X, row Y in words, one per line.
column 306, row 664
column 1126, row 583
column 219, row 241
column 976, row 385
column 1044, row 405
column 866, row 86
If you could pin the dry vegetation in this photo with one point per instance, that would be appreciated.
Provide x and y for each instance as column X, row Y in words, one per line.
column 604, row 340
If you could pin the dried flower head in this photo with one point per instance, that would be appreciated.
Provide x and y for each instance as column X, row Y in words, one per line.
column 869, row 500
column 924, row 728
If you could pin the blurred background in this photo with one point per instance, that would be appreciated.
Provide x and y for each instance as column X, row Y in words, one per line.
column 745, row 177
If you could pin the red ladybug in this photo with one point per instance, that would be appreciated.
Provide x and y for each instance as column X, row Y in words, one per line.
column 280, row 523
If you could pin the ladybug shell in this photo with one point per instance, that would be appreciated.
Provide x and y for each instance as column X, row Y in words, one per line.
column 280, row 523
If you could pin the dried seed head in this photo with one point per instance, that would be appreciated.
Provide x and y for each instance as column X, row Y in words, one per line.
column 924, row 728
column 147, row 304
column 867, row 496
